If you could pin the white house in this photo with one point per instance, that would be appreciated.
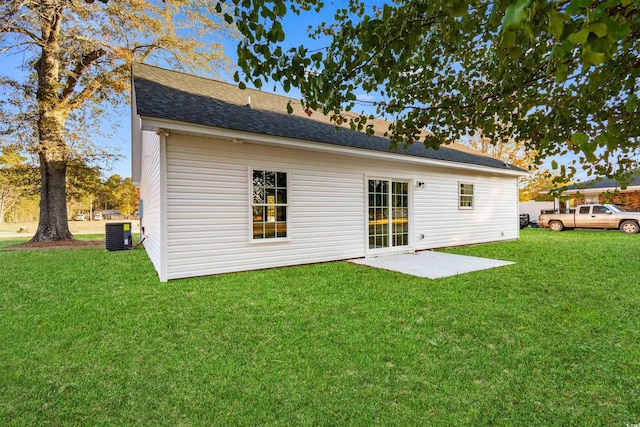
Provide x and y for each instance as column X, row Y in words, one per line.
column 606, row 190
column 230, row 182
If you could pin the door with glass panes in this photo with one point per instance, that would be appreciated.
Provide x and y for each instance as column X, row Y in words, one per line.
column 388, row 214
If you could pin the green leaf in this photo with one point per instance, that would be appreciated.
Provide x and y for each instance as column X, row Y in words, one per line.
column 582, row 140
column 457, row 8
column 515, row 52
column 574, row 5
column 516, row 15
column 599, row 29
column 592, row 57
column 602, row 140
column 580, row 37
column 561, row 50
column 632, row 103
column 556, row 23
column 242, row 86
column 289, row 108
column 386, row 12
column 562, row 72
column 508, row 38
column 554, row 165
column 276, row 34
column 317, row 57
column 280, row 8
column 579, row 138
column 411, row 39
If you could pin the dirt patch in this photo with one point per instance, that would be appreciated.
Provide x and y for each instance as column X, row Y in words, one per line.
column 59, row 244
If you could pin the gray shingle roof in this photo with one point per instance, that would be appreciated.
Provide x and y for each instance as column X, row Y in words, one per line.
column 604, row 183
column 171, row 95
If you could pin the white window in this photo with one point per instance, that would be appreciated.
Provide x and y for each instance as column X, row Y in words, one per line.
column 590, row 199
column 269, row 203
column 465, row 196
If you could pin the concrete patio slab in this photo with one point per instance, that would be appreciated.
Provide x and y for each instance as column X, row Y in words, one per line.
column 430, row 264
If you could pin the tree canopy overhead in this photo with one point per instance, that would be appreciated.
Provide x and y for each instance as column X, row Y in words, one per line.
column 562, row 76
column 78, row 55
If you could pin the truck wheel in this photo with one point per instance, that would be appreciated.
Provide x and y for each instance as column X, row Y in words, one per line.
column 629, row 227
column 556, row 226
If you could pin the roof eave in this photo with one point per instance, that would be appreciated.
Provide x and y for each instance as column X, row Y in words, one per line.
column 154, row 124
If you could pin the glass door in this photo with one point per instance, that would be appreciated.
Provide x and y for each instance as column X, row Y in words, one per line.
column 400, row 214
column 388, row 214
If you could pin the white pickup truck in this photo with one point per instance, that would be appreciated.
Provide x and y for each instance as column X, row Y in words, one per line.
column 592, row 216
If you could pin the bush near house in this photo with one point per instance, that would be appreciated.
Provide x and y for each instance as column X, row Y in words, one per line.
column 91, row 337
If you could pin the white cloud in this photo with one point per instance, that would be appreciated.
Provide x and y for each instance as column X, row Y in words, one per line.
column 365, row 97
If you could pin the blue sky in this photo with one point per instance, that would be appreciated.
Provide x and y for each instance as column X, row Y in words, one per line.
column 295, row 28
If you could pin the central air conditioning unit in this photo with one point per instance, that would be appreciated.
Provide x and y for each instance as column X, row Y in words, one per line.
column 118, row 236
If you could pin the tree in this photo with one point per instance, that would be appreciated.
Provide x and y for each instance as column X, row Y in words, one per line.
column 110, row 192
column 562, row 75
column 17, row 179
column 515, row 153
column 80, row 55
column 83, row 182
column 130, row 195
column 119, row 193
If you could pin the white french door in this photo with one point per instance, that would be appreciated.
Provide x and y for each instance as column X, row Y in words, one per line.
column 388, row 214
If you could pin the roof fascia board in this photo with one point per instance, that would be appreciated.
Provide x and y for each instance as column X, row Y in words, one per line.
column 153, row 124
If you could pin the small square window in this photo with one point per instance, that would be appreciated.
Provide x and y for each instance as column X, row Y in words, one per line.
column 465, row 196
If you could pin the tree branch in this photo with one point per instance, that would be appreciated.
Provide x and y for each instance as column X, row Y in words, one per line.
column 10, row 29
column 85, row 62
column 85, row 94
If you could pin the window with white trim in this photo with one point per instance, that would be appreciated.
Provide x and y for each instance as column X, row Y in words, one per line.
column 590, row 199
column 269, row 203
column 465, row 196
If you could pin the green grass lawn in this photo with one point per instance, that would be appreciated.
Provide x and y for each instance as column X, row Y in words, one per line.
column 90, row 337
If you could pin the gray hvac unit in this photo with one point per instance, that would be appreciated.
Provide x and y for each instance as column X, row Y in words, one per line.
column 118, row 236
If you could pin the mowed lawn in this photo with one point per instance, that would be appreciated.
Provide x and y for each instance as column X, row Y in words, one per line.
column 90, row 337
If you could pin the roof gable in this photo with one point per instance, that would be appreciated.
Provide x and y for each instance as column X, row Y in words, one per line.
column 170, row 95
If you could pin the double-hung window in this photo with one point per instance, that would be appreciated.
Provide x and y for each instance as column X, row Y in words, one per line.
column 269, row 205
column 465, row 196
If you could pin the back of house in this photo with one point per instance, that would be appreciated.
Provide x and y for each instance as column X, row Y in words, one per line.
column 231, row 182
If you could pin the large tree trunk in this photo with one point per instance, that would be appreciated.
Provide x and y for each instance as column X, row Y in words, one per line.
column 53, row 223
column 53, row 202
column 52, row 116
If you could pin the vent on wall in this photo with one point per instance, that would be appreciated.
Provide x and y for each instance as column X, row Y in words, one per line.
column 118, row 236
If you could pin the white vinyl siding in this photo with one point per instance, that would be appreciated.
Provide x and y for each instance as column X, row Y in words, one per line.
column 209, row 209
column 438, row 219
column 150, row 193
column 208, row 206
